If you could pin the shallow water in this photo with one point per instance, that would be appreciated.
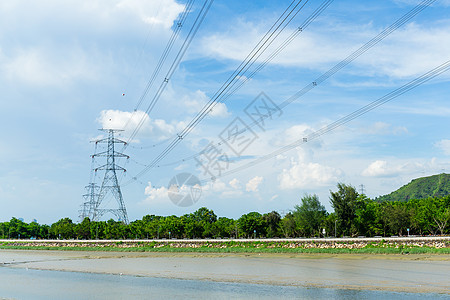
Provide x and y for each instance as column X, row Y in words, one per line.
column 83, row 274
column 22, row 283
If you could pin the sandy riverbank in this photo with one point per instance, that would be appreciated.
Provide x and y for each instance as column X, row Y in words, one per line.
column 405, row 273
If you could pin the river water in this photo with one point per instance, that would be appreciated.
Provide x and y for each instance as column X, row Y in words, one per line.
column 19, row 283
column 116, row 275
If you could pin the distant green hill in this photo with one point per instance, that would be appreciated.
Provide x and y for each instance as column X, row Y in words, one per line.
column 420, row 188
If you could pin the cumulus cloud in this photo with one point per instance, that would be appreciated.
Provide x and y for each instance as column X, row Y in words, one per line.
column 235, row 183
column 220, row 189
column 195, row 101
column 158, row 128
column 304, row 173
column 378, row 168
column 381, row 168
column 444, row 145
column 293, row 133
column 56, row 43
column 155, row 194
column 307, row 175
column 184, row 195
column 253, row 184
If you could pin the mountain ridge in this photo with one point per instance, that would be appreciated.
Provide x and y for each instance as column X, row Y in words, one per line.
column 423, row 187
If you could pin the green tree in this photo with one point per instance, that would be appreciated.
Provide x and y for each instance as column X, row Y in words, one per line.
column 365, row 221
column 250, row 224
column 64, row 228
column 151, row 225
column 226, row 227
column 205, row 218
column 272, row 224
column 399, row 217
column 171, row 227
column 193, row 228
column 288, row 226
column 83, row 229
column 310, row 215
column 136, row 230
column 344, row 202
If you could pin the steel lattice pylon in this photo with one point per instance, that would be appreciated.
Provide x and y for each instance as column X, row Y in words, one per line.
column 94, row 207
column 90, row 198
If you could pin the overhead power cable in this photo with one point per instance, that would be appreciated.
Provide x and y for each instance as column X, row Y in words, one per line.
column 198, row 21
column 143, row 48
column 246, row 78
column 163, row 57
column 280, row 48
column 243, row 79
column 357, row 113
column 354, row 55
column 262, row 45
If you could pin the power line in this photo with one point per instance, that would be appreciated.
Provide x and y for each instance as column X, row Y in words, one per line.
column 261, row 46
column 357, row 113
column 163, row 57
column 193, row 31
column 336, row 68
column 143, row 47
column 247, row 78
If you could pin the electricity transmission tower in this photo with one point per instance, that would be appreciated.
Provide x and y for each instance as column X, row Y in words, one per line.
column 90, row 197
column 95, row 205
column 362, row 189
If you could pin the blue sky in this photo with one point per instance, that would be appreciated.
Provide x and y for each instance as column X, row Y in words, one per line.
column 64, row 66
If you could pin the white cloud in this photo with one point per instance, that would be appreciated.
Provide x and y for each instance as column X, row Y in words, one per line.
column 195, row 101
column 235, row 183
column 292, row 134
column 303, row 173
column 378, row 168
column 409, row 51
column 253, row 184
column 219, row 189
column 381, row 168
column 444, row 145
column 41, row 67
column 153, row 12
column 158, row 128
column 155, row 195
column 57, row 43
column 220, row 110
column 307, row 175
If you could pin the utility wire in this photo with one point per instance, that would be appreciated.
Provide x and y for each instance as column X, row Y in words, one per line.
column 354, row 55
column 143, row 47
column 198, row 21
column 267, row 38
column 163, row 57
column 357, row 113
column 242, row 80
column 280, row 48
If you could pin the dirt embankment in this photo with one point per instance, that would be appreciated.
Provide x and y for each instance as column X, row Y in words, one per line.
column 356, row 243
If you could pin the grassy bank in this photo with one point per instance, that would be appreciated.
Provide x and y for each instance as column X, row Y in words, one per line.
column 240, row 247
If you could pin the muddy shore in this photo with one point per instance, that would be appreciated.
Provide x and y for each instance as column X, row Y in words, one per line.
column 402, row 273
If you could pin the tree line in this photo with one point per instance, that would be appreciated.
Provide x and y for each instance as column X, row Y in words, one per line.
column 354, row 215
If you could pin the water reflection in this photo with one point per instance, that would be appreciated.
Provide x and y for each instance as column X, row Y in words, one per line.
column 38, row 284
